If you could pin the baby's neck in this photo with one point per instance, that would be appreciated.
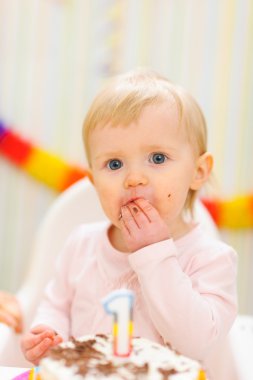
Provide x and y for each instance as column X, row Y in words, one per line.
column 181, row 229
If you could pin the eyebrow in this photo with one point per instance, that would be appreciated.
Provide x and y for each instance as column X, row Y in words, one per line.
column 160, row 147
column 115, row 154
column 108, row 155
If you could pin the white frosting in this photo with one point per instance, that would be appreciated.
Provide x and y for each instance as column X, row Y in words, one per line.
column 144, row 351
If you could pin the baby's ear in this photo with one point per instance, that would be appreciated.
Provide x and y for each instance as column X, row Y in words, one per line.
column 204, row 165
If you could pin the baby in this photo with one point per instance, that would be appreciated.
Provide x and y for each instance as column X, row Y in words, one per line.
column 146, row 146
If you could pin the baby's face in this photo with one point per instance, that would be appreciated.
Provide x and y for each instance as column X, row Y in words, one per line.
column 151, row 158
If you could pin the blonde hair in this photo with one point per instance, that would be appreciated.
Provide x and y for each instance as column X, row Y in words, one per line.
column 124, row 97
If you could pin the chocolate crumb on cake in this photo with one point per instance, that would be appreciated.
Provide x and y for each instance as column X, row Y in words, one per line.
column 91, row 358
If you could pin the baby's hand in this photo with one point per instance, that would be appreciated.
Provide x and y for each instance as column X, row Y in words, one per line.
column 36, row 343
column 10, row 312
column 141, row 225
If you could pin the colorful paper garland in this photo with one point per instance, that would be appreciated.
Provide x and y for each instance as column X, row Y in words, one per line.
column 42, row 165
column 234, row 213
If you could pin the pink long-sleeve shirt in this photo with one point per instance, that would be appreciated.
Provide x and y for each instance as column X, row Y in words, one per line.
column 185, row 290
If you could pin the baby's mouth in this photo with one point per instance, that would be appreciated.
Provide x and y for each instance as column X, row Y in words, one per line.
column 131, row 200
column 126, row 203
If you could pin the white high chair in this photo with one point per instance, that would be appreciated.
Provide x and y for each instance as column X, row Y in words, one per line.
column 76, row 205
column 79, row 204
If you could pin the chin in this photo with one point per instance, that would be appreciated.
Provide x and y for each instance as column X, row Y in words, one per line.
column 114, row 220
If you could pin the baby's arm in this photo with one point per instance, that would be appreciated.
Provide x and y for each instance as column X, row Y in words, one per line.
column 37, row 342
column 10, row 312
column 192, row 308
column 54, row 309
column 192, row 302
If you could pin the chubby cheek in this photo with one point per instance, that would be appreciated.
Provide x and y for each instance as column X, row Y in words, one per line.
column 170, row 202
column 109, row 204
column 163, row 203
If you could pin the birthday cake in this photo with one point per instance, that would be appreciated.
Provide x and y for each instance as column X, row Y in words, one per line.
column 92, row 358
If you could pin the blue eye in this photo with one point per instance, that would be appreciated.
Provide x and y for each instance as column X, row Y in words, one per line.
column 114, row 164
column 158, row 158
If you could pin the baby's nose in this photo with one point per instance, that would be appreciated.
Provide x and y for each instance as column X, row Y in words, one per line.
column 134, row 179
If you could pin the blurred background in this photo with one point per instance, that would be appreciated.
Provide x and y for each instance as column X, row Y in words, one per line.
column 55, row 54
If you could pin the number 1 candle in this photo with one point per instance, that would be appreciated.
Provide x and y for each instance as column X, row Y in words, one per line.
column 119, row 303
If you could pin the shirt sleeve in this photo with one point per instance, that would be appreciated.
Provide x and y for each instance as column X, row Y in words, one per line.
column 191, row 308
column 54, row 309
